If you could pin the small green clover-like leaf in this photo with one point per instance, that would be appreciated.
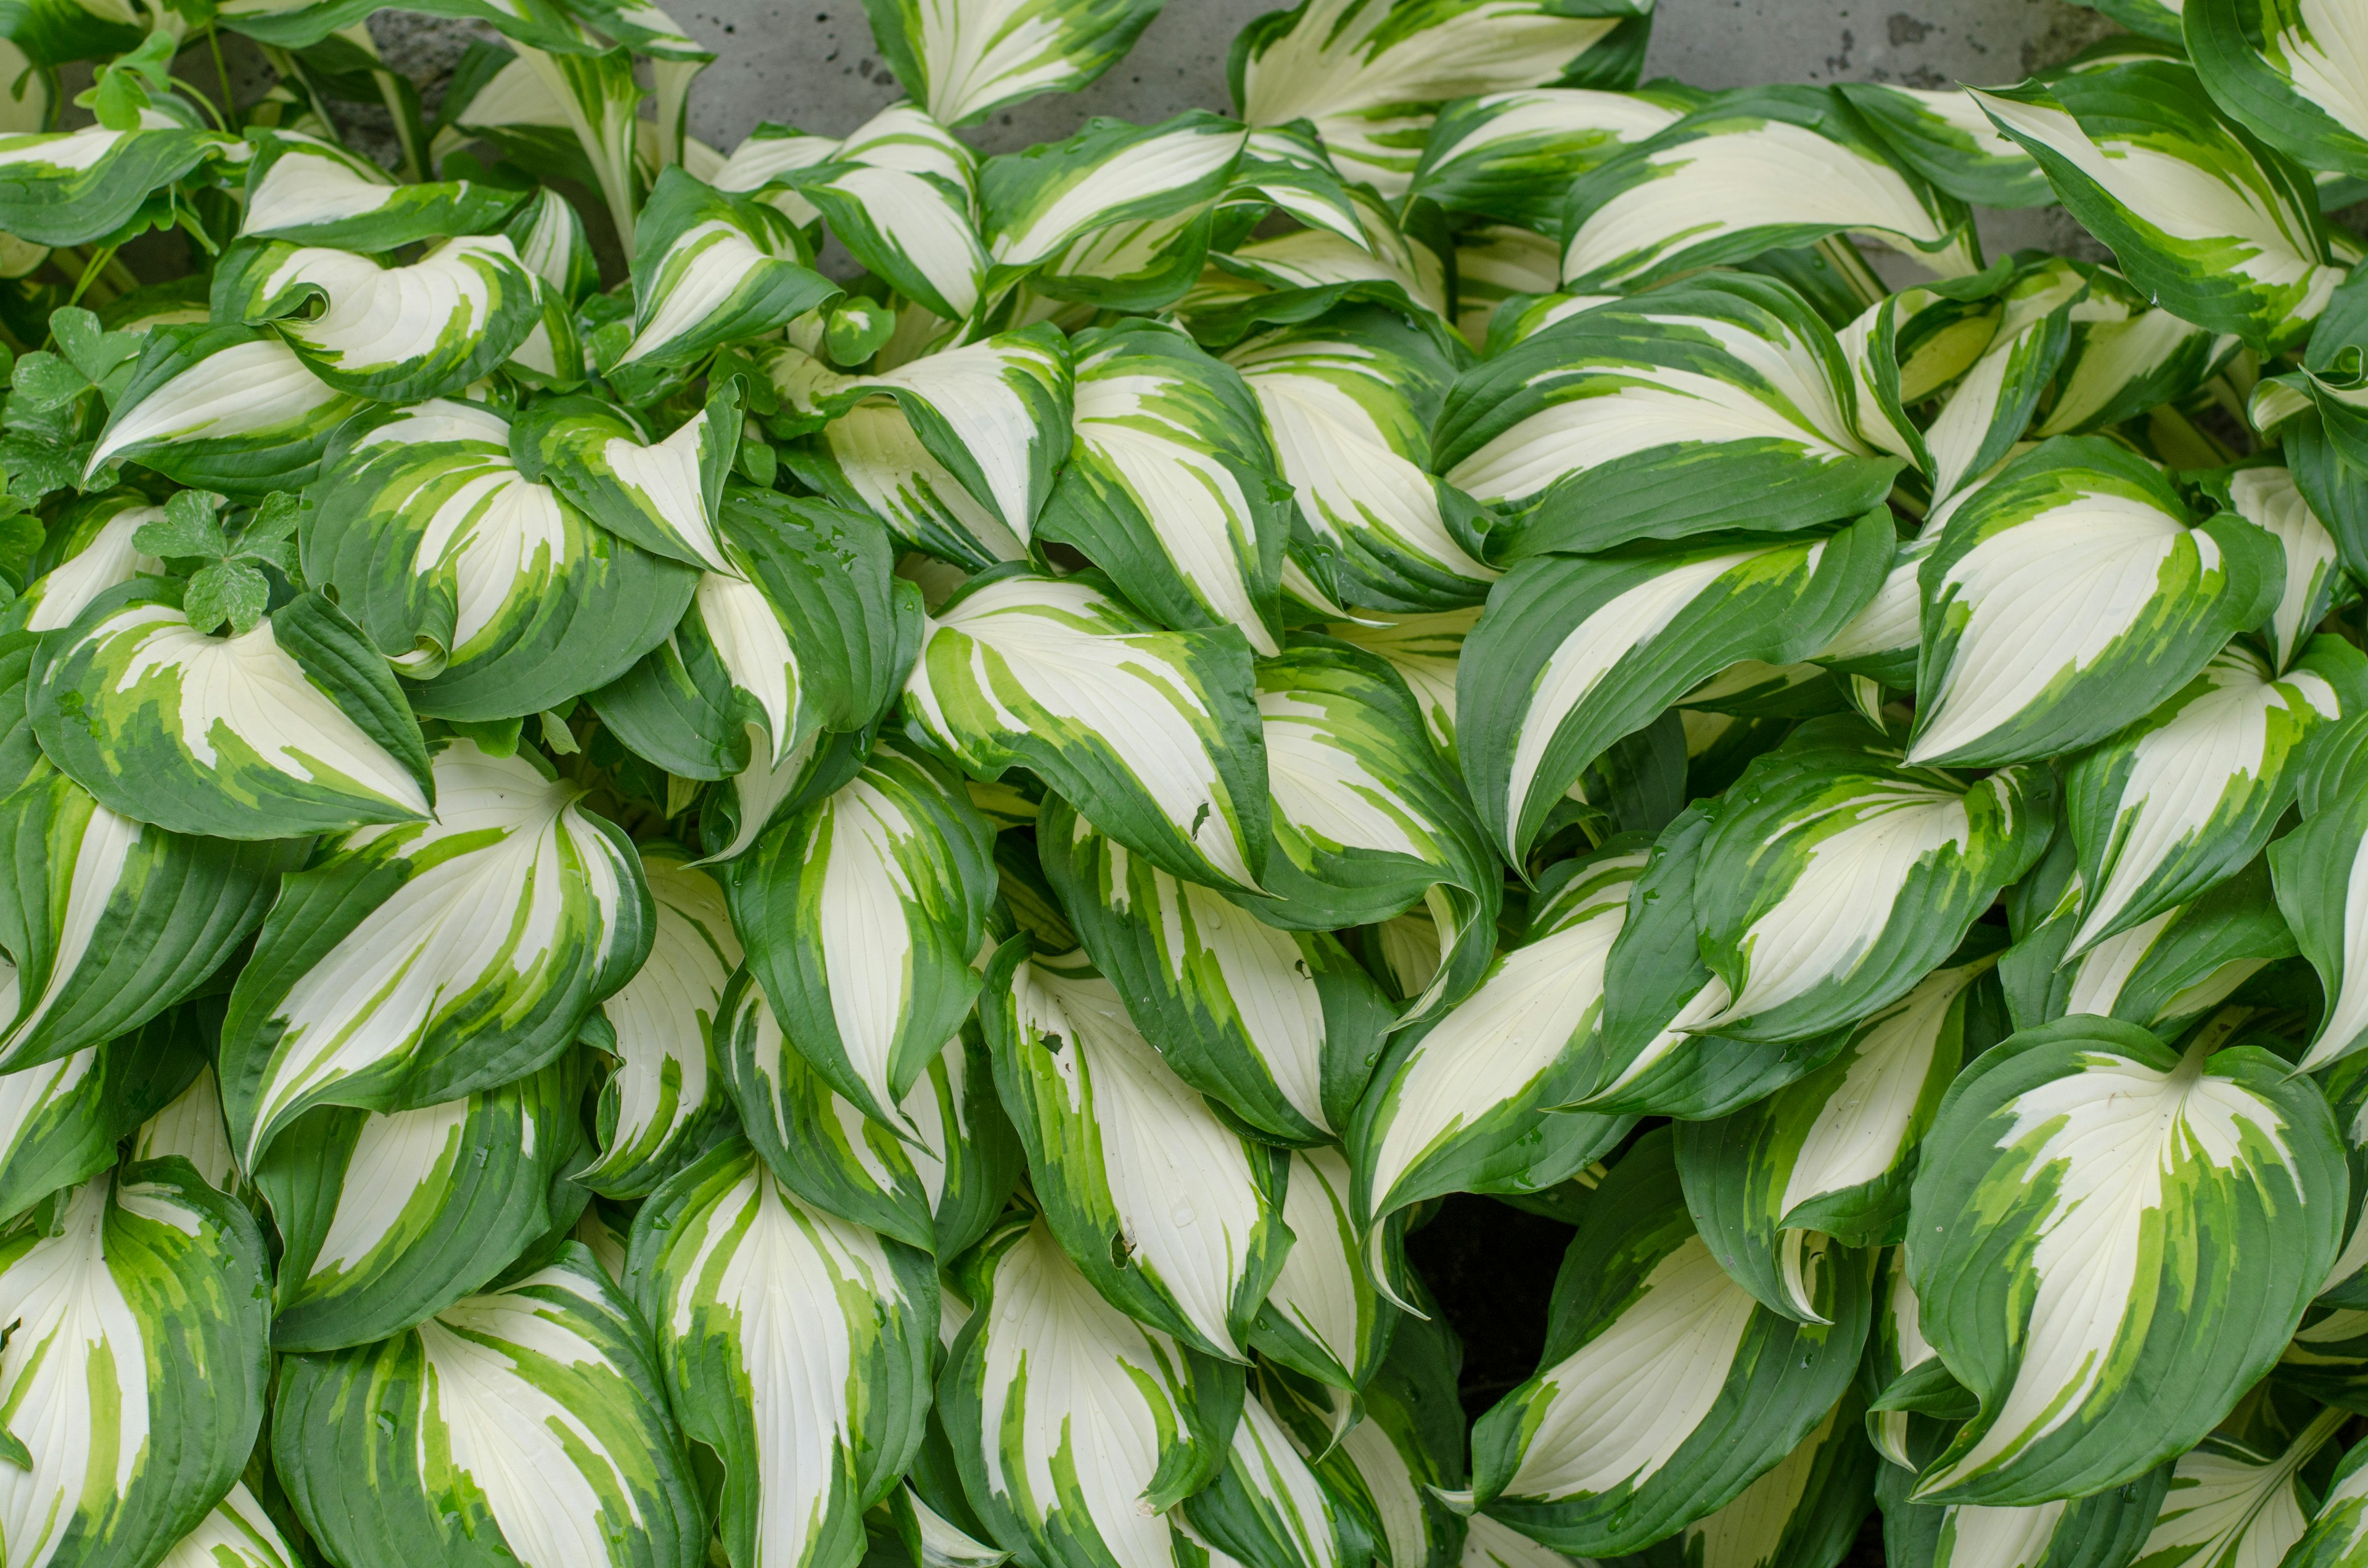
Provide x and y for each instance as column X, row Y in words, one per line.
column 37, row 469
column 127, row 85
column 270, row 533
column 187, row 530
column 226, row 590
column 41, row 382
column 854, row 331
column 105, row 359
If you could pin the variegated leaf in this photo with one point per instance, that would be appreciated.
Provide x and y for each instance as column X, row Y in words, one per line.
column 2290, row 72
column 1579, row 434
column 795, row 1344
column 313, row 192
column 2074, row 1231
column 71, row 187
column 238, row 1533
column 2337, row 1536
column 1665, row 1390
column 1943, row 135
column 410, row 966
column 1171, row 1213
column 1426, row 651
column 2125, row 359
column 226, row 408
column 2321, row 873
column 134, row 1377
column 664, row 496
column 2217, row 228
column 192, row 1127
column 291, row 728
column 2104, row 1530
column 1268, row 1508
column 1988, row 407
column 2232, row 1503
column 89, row 552
column 2268, row 498
column 1805, row 1513
column 1511, row 155
column 1076, row 1427
column 710, row 268
column 937, row 1182
column 1326, row 1316
column 490, row 593
column 389, row 1219
column 1281, row 1027
column 1306, row 269
column 61, row 1120
column 526, row 1424
column 1153, row 735
column 1575, row 651
column 965, row 61
column 860, row 914
column 2070, row 597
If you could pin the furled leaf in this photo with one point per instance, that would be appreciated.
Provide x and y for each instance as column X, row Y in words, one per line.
column 1511, row 155
column 710, row 268
column 966, row 62
column 61, row 1120
column 227, row 408
column 1805, row 1513
column 71, row 187
column 2288, row 72
column 305, row 189
column 664, row 496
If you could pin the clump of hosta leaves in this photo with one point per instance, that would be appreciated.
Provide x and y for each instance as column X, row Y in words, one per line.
column 696, row 909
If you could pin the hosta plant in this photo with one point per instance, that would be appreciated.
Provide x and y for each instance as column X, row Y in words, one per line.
column 669, row 905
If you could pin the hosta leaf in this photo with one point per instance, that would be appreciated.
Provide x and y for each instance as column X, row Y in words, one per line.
column 2289, row 70
column 303, row 188
column 861, row 914
column 1575, row 652
column 2073, row 1213
column 965, row 61
column 291, row 728
column 134, row 1373
column 2189, row 794
column 91, row 551
column 1756, row 169
column 1425, row 650
column 71, row 187
column 1325, row 1317
column 1350, row 402
column 1460, row 1106
column 1281, row 1027
column 238, row 1533
column 1073, row 1426
column 1988, row 408
column 2337, row 1533
column 2268, row 497
column 1171, row 1213
column 1832, row 882
column 408, row 967
column 1665, row 1389
column 192, row 1127
column 1308, row 269
column 226, row 408
column 2230, row 1501
column 1643, row 1056
column 793, row 1344
column 108, row 921
column 1910, row 345
column 664, row 496
column 710, row 268
column 526, row 1424
column 1494, row 264
column 1267, row 1508
column 2122, row 359
column 1944, row 136
column 61, row 1120
column 1116, row 216
column 2321, row 871
column 2104, row 1530
column 994, row 415
column 1511, row 156
column 1371, row 74
column 389, row 1219
column 392, row 334
column 662, row 1020
column 914, row 230
column 1831, row 1152
column 2203, row 219
column 489, row 592
column 1408, row 1446
column 2068, row 597
column 937, row 1183
column 1580, row 433
column 1903, row 1375
column 1803, row 1513
column 1170, row 486
column 1286, row 168
column 1153, row 735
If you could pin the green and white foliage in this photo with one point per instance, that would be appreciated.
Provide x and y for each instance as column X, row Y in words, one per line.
column 2222, row 230
column 1076, row 1427
column 1752, row 170
column 1268, row 1506
column 61, row 1120
column 1834, row 880
column 1372, row 76
column 134, row 1371
column 1286, row 168
column 2125, row 359
column 664, row 1083
column 2288, row 73
column 861, row 914
column 2321, row 872
column 1170, row 486
column 1166, row 1209
column 1987, row 409
column 1944, row 136
column 2070, row 597
column 407, row 967
column 70, row 187
column 388, row 1219
column 1579, row 434
column 2179, row 801
column 191, row 1127
column 293, row 727
column 2078, row 1207
column 900, row 194
column 1368, row 821
column 108, row 921
column 1460, row 1105
column 1511, row 155
column 490, row 593
column 664, row 496
column 709, row 268
column 2337, row 1533
column 226, row 408
column 1805, row 1513
column 526, row 1424
column 2232, row 1502
column 1665, row 1389
column 935, row 1181
column 1350, row 402
column 1831, row 1153
column 1325, row 1317
column 308, row 191
column 238, row 1533
column 795, row 1344
column 1574, row 653
column 1155, row 735
column 2315, row 582
column 958, row 450
column 1282, row 1026
column 2103, row 1529
column 1425, row 650
column 965, row 61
